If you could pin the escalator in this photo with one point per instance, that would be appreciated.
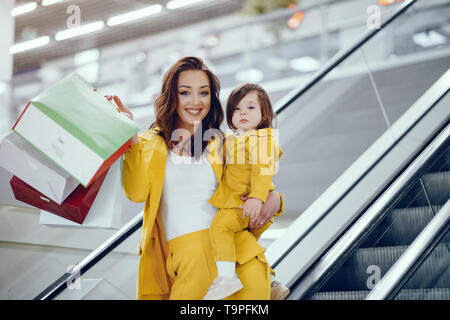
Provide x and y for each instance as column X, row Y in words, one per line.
column 320, row 255
column 393, row 235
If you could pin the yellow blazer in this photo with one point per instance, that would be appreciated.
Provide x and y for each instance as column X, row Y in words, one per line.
column 143, row 177
column 250, row 165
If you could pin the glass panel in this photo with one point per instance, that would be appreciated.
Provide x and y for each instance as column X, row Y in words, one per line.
column 34, row 255
column 112, row 278
column 406, row 58
column 331, row 125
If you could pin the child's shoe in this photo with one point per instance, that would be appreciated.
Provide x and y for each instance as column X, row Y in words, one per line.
column 278, row 291
column 223, row 287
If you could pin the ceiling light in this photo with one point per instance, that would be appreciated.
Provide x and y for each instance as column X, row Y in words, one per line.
column 25, row 8
column 250, row 75
column 388, row 2
column 175, row 4
column 429, row 39
column 28, row 45
column 276, row 63
column 296, row 19
column 304, row 64
column 75, row 32
column 50, row 2
column 134, row 15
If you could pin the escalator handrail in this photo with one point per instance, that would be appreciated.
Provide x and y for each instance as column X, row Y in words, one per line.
column 351, row 240
column 55, row 288
column 408, row 263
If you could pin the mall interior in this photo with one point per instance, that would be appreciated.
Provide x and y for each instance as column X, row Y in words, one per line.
column 360, row 89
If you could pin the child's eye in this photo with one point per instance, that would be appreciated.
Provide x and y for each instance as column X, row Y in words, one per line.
column 251, row 107
column 236, row 108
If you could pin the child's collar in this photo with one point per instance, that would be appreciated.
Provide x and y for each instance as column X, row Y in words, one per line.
column 236, row 133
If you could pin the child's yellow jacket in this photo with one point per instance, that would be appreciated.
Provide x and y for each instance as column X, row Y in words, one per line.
column 143, row 177
column 250, row 165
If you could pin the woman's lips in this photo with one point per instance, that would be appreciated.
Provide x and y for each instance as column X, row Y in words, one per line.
column 193, row 111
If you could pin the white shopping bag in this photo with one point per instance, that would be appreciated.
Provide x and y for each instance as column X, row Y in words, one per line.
column 32, row 166
column 106, row 211
column 6, row 194
column 76, row 127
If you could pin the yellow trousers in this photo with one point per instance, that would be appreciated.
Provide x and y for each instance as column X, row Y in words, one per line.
column 225, row 224
column 192, row 264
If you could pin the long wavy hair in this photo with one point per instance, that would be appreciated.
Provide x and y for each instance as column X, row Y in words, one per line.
column 239, row 92
column 166, row 104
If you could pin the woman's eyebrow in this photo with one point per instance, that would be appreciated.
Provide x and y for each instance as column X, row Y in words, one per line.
column 189, row 87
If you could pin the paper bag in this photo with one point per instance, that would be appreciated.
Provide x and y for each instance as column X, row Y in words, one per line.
column 75, row 207
column 76, row 127
column 33, row 167
column 106, row 211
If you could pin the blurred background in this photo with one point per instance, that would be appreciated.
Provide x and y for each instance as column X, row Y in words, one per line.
column 125, row 47
column 276, row 43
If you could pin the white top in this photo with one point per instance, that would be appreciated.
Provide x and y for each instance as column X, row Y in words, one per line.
column 188, row 185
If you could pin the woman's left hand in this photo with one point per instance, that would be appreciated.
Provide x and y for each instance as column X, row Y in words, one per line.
column 270, row 207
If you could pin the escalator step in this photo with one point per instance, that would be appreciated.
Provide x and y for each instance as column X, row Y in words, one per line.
column 410, row 294
column 355, row 272
column 340, row 295
column 437, row 185
column 358, row 272
column 400, row 227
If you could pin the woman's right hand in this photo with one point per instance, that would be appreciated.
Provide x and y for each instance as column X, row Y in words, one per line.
column 126, row 111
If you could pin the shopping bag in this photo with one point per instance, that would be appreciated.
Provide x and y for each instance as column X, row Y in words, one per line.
column 33, row 167
column 6, row 194
column 75, row 207
column 106, row 211
column 76, row 127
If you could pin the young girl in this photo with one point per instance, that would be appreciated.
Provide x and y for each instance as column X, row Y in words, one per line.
column 251, row 156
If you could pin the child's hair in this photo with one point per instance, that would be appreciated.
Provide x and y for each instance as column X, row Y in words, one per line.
column 239, row 93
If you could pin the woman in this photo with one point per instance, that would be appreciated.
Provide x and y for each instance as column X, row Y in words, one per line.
column 169, row 168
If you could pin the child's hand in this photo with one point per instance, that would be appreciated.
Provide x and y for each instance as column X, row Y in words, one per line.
column 251, row 207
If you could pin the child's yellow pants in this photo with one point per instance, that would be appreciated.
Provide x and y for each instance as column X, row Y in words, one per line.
column 192, row 264
column 225, row 224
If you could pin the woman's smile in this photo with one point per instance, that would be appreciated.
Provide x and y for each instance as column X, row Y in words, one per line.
column 193, row 111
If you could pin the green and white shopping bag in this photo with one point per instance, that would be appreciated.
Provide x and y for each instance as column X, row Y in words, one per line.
column 77, row 128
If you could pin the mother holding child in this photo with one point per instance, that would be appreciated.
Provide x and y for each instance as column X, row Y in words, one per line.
column 204, row 209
